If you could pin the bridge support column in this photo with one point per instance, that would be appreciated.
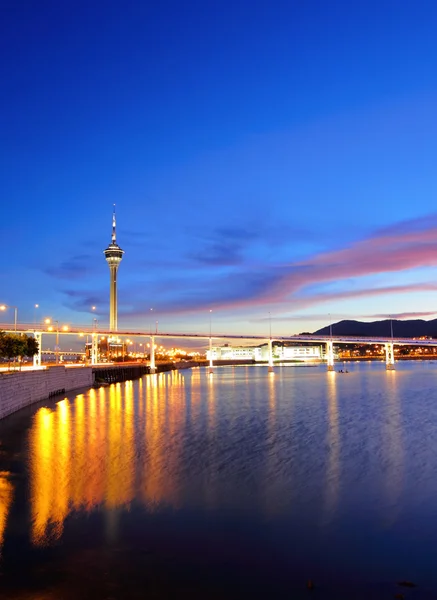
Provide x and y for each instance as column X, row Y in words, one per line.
column 330, row 355
column 270, row 345
column 37, row 356
column 389, row 357
column 211, row 363
column 94, row 348
column 152, row 355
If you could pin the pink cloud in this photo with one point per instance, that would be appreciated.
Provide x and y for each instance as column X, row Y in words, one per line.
column 404, row 246
column 392, row 251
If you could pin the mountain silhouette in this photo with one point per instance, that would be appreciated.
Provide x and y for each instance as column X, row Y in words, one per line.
column 405, row 329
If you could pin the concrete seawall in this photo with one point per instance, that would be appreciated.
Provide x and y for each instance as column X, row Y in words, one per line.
column 23, row 388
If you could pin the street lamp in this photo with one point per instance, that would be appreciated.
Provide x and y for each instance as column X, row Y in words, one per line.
column 4, row 307
column 34, row 313
column 50, row 328
column 57, row 342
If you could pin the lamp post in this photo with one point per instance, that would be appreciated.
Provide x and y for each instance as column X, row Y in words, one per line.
column 4, row 307
column 34, row 313
column 211, row 365
column 57, row 342
column 50, row 328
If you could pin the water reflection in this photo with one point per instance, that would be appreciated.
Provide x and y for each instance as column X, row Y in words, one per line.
column 238, row 440
column 81, row 455
column 6, row 496
column 333, row 445
column 393, row 461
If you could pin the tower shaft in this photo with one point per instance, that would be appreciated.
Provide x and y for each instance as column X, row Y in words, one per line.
column 113, row 297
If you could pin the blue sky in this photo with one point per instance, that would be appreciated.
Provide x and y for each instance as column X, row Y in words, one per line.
column 263, row 157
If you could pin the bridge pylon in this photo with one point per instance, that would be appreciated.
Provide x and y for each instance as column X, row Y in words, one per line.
column 94, row 348
column 37, row 356
column 270, row 345
column 152, row 355
column 389, row 356
column 211, row 363
column 330, row 355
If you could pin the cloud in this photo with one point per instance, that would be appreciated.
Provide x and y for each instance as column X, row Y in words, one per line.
column 287, row 286
column 82, row 301
column 73, row 268
column 224, row 246
column 402, row 315
column 380, row 253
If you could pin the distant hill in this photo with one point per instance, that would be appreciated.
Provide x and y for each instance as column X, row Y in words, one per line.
column 411, row 328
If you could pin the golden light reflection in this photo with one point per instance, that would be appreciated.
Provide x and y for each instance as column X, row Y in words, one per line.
column 153, row 485
column 106, row 448
column 6, row 495
column 82, row 455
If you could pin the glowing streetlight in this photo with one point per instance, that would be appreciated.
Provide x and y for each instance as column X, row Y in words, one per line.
column 34, row 313
column 6, row 306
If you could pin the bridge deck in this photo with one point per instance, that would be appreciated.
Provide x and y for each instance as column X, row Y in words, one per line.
column 83, row 331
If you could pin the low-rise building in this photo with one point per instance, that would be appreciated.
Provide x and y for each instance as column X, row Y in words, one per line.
column 281, row 353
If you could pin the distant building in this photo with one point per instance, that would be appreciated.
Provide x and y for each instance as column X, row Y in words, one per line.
column 261, row 353
column 227, row 352
column 292, row 353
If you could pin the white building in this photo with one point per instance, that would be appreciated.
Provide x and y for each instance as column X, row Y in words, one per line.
column 284, row 353
column 261, row 353
column 227, row 352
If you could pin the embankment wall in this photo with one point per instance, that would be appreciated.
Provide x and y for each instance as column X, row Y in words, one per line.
column 22, row 388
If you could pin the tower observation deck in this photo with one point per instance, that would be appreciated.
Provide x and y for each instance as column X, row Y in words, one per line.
column 113, row 255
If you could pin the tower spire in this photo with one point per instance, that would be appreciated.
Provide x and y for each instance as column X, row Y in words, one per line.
column 114, row 239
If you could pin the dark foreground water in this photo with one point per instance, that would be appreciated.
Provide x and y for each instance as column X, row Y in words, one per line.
column 243, row 484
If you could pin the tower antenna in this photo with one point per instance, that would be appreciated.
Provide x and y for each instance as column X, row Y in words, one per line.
column 114, row 237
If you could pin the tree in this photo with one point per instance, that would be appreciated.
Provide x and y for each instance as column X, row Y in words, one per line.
column 13, row 345
column 32, row 346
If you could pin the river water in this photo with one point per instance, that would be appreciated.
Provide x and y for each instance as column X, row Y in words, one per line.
column 238, row 484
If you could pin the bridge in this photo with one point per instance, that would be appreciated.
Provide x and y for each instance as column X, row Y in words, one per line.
column 328, row 341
